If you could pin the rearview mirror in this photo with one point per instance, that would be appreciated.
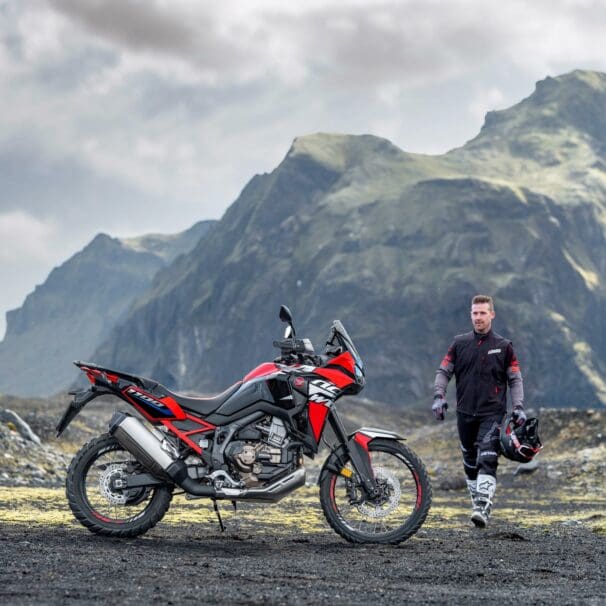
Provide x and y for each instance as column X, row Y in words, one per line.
column 285, row 314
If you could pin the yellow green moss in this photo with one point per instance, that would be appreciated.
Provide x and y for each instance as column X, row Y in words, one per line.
column 301, row 513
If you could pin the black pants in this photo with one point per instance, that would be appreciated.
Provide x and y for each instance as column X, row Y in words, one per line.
column 479, row 438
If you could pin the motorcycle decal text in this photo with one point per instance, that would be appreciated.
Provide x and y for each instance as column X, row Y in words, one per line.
column 323, row 387
column 148, row 401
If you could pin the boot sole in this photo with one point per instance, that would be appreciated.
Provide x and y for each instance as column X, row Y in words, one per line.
column 479, row 521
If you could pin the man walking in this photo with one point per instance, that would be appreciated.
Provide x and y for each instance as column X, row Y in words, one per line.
column 484, row 365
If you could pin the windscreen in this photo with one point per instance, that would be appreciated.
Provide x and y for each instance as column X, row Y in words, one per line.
column 345, row 341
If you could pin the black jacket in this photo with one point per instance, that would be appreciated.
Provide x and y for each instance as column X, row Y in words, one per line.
column 483, row 366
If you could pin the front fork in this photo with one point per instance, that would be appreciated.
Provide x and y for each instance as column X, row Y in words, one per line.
column 357, row 449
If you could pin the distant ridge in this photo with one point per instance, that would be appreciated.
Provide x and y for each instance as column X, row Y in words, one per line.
column 77, row 306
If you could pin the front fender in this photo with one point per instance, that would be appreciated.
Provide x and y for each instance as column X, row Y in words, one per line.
column 374, row 432
column 363, row 437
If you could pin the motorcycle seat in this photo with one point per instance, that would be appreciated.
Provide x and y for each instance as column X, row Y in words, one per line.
column 202, row 405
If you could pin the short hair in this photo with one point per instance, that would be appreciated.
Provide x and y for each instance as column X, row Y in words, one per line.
column 483, row 299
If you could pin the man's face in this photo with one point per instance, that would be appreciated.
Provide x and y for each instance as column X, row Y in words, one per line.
column 481, row 316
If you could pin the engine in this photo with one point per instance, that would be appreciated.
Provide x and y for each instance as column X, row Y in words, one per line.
column 259, row 453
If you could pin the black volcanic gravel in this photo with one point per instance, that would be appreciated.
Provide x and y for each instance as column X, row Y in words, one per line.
column 196, row 564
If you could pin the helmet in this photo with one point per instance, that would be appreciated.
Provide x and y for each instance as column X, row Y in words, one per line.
column 521, row 443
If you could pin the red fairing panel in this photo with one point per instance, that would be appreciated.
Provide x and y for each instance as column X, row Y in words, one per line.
column 262, row 370
column 362, row 440
column 317, row 418
column 334, row 375
column 345, row 360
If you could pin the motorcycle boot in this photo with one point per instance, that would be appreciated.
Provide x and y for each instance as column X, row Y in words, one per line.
column 486, row 488
column 472, row 487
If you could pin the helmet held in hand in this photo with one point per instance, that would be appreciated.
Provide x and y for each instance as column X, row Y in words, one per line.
column 521, row 442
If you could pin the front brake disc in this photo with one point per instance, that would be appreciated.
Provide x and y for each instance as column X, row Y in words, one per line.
column 390, row 486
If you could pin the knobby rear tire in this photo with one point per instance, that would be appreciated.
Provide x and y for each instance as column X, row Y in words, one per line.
column 85, row 512
column 409, row 526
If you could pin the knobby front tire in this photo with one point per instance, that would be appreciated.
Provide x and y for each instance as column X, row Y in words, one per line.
column 98, row 506
column 392, row 519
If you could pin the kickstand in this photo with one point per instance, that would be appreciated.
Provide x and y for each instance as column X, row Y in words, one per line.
column 221, row 525
column 236, row 519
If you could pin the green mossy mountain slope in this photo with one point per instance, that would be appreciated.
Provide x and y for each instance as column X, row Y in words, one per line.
column 395, row 244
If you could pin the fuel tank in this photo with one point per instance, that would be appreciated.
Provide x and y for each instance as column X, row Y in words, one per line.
column 250, row 393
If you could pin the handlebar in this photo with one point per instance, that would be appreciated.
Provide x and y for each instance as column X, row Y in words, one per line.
column 292, row 346
column 298, row 351
column 301, row 351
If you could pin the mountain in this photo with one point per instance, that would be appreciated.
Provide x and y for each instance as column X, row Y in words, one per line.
column 554, row 141
column 351, row 227
column 68, row 316
column 395, row 244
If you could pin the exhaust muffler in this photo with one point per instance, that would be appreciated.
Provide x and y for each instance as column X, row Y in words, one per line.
column 149, row 451
column 141, row 443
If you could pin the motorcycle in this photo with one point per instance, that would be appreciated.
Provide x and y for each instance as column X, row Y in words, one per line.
column 246, row 443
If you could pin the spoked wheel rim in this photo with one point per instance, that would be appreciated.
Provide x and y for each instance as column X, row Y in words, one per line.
column 396, row 506
column 101, row 487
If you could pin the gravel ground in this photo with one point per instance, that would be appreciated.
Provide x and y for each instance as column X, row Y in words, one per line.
column 546, row 543
column 264, row 562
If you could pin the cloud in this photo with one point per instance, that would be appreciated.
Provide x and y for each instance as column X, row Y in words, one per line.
column 23, row 236
column 486, row 100
column 410, row 42
column 187, row 100
column 135, row 24
column 338, row 44
column 128, row 115
column 194, row 34
column 27, row 248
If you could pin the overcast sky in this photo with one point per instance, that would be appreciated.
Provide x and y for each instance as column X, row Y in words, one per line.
column 134, row 116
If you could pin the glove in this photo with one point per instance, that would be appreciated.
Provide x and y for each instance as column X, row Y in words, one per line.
column 518, row 416
column 439, row 408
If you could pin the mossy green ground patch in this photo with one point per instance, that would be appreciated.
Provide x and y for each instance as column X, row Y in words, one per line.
column 300, row 512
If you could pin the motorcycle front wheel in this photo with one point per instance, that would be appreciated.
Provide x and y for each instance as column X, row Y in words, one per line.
column 396, row 514
column 97, row 502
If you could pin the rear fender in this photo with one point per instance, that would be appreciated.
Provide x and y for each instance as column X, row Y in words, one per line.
column 81, row 399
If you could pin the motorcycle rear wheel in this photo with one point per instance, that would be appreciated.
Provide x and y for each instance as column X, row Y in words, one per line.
column 394, row 517
column 104, row 509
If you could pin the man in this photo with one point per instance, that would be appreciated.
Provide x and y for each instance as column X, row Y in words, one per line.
column 484, row 365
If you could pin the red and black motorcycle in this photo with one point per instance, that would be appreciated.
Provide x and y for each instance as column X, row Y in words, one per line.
column 246, row 443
